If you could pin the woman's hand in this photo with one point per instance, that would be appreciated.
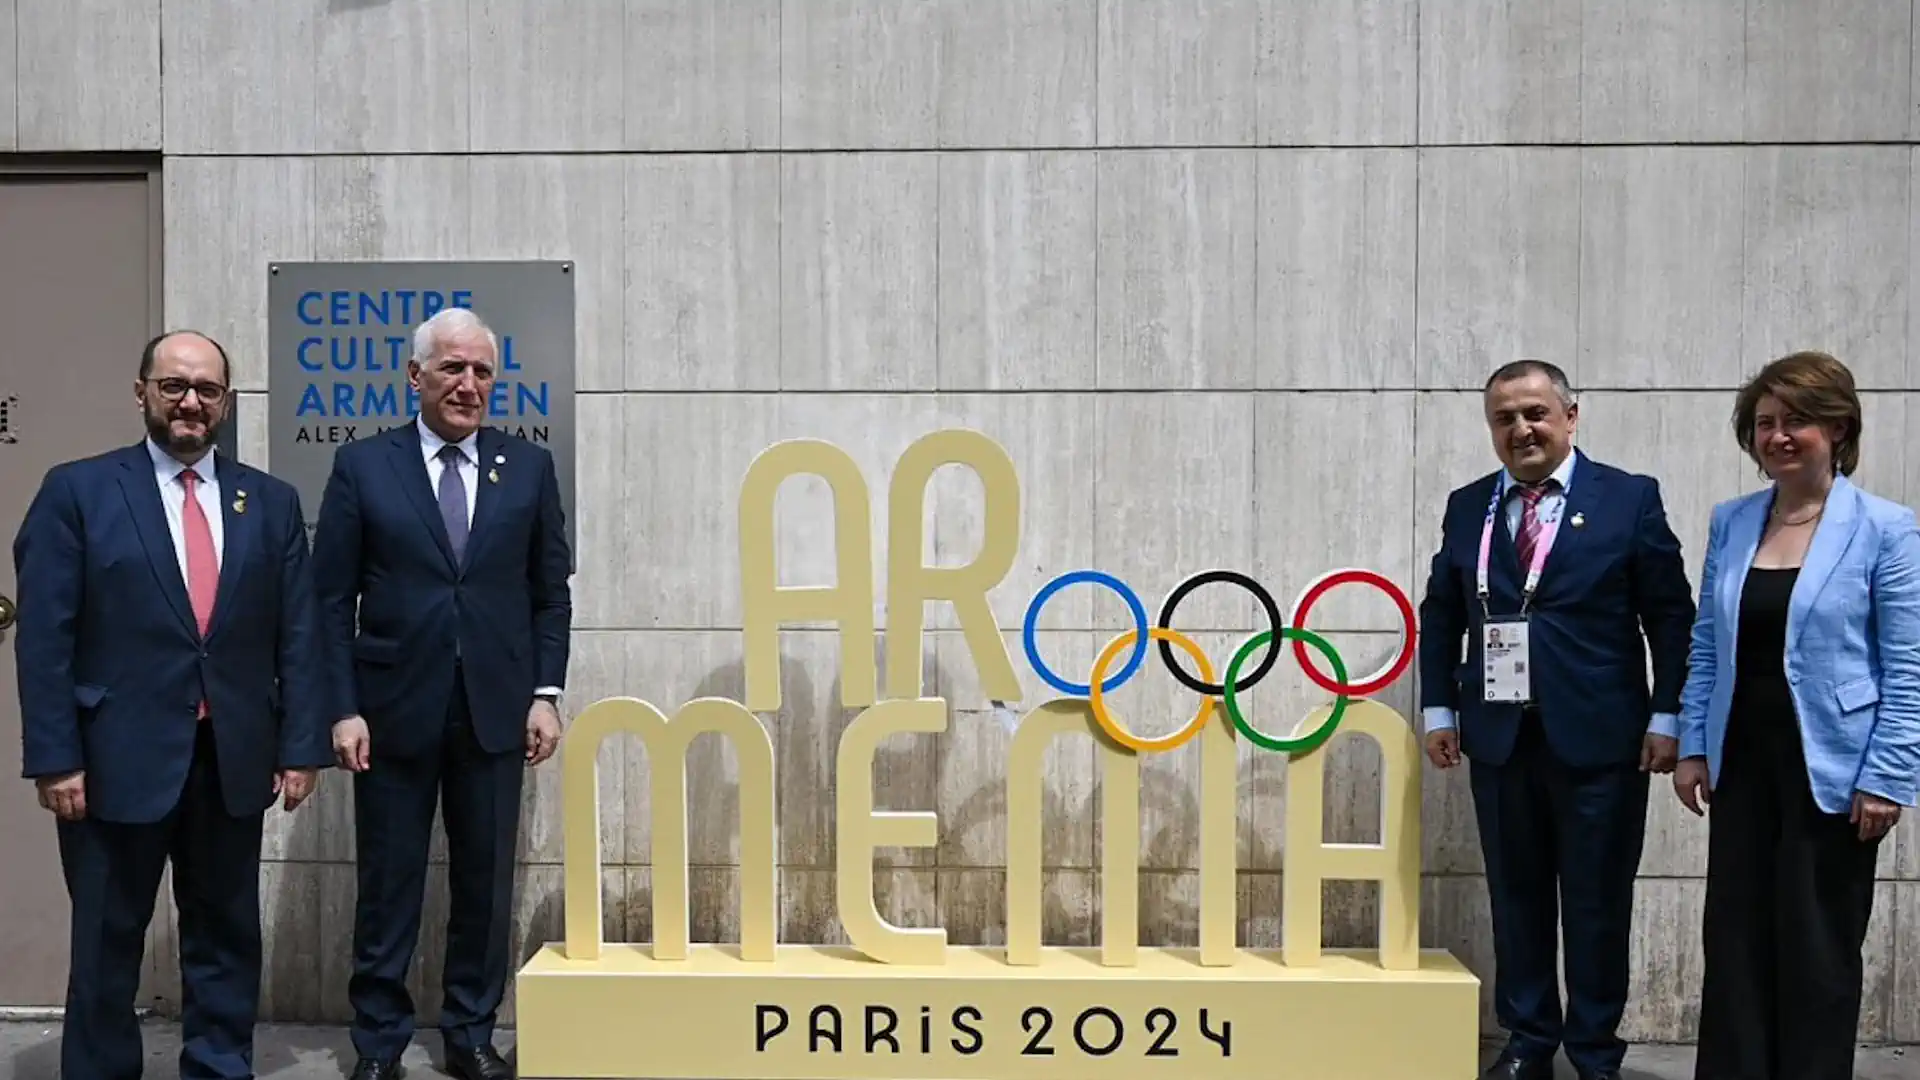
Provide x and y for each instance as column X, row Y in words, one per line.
column 1690, row 783
column 1873, row 814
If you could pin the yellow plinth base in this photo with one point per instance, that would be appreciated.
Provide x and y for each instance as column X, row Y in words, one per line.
column 833, row 1014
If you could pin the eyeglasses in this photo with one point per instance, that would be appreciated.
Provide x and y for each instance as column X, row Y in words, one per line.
column 175, row 389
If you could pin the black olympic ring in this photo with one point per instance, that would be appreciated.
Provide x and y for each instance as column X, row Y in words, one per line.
column 1230, row 577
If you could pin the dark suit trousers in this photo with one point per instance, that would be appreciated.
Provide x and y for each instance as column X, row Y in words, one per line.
column 113, row 873
column 479, row 799
column 1562, row 845
column 1789, row 895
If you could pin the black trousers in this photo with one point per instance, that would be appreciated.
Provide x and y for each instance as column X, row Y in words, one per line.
column 478, row 795
column 113, row 873
column 1789, row 895
column 1562, row 847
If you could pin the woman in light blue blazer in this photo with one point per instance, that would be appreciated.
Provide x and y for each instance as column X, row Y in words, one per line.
column 1800, row 726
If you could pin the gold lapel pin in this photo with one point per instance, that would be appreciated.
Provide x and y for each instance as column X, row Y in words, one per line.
column 239, row 502
column 493, row 476
column 1579, row 520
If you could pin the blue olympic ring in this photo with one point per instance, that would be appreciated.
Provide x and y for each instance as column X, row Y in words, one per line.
column 1091, row 577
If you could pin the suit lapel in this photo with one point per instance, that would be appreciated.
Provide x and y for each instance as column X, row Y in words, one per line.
column 142, row 492
column 1838, row 523
column 1742, row 541
column 1584, row 492
column 486, row 490
column 239, row 528
column 404, row 455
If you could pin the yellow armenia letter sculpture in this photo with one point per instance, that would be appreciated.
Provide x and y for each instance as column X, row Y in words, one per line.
column 900, row 1001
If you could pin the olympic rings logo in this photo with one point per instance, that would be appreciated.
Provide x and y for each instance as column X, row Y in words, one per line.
column 1294, row 629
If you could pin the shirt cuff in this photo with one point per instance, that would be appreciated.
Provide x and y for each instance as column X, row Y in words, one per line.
column 539, row 690
column 1667, row 724
column 1438, row 718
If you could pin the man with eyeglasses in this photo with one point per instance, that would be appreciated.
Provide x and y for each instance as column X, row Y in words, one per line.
column 169, row 693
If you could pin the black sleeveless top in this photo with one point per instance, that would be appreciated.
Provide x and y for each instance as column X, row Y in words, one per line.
column 1763, row 622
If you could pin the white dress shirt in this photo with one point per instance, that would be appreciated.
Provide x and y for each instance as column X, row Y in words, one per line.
column 173, row 496
column 1552, row 501
column 1548, row 510
column 469, row 463
column 469, row 466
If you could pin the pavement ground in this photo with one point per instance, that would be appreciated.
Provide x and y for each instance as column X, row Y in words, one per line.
column 31, row 1051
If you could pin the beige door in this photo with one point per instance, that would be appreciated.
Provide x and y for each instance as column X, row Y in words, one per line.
column 77, row 298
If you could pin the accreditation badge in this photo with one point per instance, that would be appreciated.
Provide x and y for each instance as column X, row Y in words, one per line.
column 1506, row 677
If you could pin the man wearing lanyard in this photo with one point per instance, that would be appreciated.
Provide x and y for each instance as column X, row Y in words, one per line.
column 1554, row 577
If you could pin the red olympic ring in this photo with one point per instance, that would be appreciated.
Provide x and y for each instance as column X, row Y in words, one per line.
column 1385, row 676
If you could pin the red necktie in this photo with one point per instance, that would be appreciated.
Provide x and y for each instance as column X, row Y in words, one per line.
column 203, row 567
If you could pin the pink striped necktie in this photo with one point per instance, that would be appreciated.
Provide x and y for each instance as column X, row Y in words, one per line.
column 203, row 567
column 1529, row 525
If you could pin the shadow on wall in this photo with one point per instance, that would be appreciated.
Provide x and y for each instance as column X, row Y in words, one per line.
column 627, row 912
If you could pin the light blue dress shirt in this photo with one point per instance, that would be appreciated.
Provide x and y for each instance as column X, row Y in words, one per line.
column 173, row 497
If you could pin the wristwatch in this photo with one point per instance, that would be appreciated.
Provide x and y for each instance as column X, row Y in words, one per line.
column 551, row 699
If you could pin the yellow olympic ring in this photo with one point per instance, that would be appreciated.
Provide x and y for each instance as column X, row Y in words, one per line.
column 1095, row 699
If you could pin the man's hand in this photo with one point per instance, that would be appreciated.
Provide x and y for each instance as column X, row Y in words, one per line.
column 294, row 785
column 1691, row 784
column 1443, row 748
column 1659, row 753
column 352, row 747
column 543, row 732
column 65, row 795
column 1873, row 814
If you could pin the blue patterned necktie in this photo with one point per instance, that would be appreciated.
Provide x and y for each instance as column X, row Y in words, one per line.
column 453, row 500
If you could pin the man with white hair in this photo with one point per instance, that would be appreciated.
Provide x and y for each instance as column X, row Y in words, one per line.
column 447, row 540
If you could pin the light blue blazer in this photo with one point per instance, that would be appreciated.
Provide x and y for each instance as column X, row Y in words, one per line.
column 1853, row 644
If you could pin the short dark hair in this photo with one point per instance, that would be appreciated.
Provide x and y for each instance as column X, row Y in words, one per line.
column 1817, row 386
column 153, row 346
column 1520, row 369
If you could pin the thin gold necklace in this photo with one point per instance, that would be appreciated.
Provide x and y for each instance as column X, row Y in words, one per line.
column 1784, row 520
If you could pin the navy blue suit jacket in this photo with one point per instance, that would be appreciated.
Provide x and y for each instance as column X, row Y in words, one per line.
column 506, row 606
column 112, row 665
column 1611, row 588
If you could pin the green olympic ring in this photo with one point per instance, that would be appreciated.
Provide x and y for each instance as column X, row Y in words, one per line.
column 1260, row 738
